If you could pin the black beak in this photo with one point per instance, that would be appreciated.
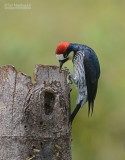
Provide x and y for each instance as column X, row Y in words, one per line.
column 61, row 63
column 60, row 66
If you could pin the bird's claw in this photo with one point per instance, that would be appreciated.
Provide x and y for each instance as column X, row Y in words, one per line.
column 69, row 77
column 65, row 69
column 69, row 80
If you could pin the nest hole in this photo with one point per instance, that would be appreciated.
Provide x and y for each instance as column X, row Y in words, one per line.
column 49, row 102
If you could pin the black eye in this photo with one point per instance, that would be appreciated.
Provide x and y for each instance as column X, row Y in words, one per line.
column 65, row 54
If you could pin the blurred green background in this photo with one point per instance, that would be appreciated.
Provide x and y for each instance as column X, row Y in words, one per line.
column 29, row 37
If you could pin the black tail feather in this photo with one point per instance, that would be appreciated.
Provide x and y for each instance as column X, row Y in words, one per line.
column 89, row 106
column 74, row 113
column 92, row 106
column 92, row 90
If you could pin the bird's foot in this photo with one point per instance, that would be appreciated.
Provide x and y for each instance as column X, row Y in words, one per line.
column 69, row 80
column 69, row 75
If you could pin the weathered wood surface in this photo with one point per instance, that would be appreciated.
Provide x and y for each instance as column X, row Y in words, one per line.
column 34, row 116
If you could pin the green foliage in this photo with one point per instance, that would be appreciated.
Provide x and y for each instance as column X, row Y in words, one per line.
column 29, row 37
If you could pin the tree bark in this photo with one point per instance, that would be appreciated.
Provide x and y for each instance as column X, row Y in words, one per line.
column 34, row 117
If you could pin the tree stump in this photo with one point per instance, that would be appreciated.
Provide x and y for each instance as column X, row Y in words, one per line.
column 34, row 117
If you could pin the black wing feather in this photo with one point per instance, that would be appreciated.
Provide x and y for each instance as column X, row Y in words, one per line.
column 92, row 73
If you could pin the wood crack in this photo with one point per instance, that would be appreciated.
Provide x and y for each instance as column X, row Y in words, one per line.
column 46, row 123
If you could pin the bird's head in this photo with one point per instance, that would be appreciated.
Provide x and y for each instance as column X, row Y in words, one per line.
column 63, row 53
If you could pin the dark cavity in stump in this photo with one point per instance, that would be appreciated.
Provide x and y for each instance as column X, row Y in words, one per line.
column 49, row 102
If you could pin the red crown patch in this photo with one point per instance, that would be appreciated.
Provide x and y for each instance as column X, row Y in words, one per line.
column 62, row 47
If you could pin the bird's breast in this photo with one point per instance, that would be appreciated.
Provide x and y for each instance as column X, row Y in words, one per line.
column 78, row 69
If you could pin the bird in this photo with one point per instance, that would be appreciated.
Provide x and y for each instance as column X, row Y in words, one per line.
column 86, row 72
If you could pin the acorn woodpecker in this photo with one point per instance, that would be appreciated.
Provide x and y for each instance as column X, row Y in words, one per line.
column 86, row 71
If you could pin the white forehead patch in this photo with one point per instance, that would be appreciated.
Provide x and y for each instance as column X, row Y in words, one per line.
column 59, row 56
